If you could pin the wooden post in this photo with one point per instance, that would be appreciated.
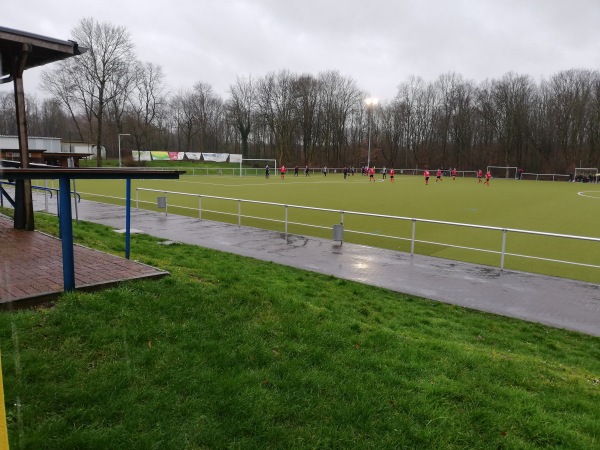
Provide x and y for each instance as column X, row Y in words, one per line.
column 24, row 201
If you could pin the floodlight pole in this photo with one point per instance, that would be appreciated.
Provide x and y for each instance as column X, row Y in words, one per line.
column 371, row 102
column 120, row 146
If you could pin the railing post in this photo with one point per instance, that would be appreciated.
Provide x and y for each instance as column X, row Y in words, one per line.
column 504, row 231
column 137, row 204
column 45, row 195
column 286, row 223
column 166, row 203
column 412, row 241
column 342, row 222
column 239, row 213
column 127, row 217
column 199, row 207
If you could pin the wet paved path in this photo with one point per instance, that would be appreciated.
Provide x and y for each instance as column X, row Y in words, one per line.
column 558, row 302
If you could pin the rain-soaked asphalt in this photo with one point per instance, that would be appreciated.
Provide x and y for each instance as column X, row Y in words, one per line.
column 557, row 302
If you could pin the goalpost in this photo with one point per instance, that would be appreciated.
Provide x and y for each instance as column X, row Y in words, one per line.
column 504, row 171
column 267, row 161
column 586, row 172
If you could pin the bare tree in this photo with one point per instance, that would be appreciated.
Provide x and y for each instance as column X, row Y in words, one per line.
column 241, row 107
column 207, row 110
column 512, row 97
column 91, row 81
column 183, row 107
column 8, row 124
column 571, row 106
column 145, row 103
column 61, row 85
column 391, row 131
column 462, row 123
column 340, row 97
column 418, row 101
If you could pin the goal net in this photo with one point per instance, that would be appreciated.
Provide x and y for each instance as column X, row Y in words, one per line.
column 586, row 174
column 257, row 166
column 504, row 172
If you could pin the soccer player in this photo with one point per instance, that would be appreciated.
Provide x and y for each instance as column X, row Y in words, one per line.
column 295, row 171
column 383, row 173
column 372, row 174
column 267, row 170
column 426, row 175
column 479, row 175
column 488, row 175
column 306, row 174
column 454, row 173
column 392, row 174
column 282, row 170
column 439, row 175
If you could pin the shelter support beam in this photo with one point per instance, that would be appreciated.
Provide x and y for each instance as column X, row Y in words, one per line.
column 66, row 233
column 23, row 219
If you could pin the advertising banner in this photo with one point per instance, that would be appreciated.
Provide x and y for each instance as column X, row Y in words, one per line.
column 160, row 156
column 216, row 157
column 193, row 156
column 141, row 155
column 235, row 158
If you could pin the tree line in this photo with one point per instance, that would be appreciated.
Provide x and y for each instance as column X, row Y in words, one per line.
column 551, row 126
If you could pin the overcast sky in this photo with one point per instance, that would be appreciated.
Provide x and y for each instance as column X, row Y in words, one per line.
column 378, row 43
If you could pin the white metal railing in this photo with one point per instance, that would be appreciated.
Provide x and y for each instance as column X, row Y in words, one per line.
column 544, row 176
column 413, row 239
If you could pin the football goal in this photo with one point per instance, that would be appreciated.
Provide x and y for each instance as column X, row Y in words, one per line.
column 504, row 172
column 586, row 174
column 272, row 163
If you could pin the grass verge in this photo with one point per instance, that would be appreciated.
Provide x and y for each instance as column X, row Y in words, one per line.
column 231, row 352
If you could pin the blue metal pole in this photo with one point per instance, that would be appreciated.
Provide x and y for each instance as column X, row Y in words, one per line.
column 66, row 232
column 127, row 216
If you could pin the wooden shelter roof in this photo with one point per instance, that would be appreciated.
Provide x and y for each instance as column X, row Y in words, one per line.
column 44, row 50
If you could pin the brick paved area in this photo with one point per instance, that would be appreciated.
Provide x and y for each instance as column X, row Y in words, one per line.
column 31, row 267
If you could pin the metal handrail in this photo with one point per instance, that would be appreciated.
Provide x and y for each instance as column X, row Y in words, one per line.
column 42, row 188
column 503, row 253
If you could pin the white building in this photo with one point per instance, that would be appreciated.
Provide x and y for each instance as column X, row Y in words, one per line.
column 49, row 144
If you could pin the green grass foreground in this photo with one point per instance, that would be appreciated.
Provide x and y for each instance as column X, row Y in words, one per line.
column 231, row 352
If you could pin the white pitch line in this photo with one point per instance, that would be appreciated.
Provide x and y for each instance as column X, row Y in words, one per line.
column 582, row 193
column 269, row 183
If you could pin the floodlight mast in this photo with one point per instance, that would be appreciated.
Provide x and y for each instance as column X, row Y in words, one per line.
column 371, row 102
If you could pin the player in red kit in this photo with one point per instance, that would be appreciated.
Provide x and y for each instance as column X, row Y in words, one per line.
column 426, row 175
column 479, row 175
column 392, row 174
column 372, row 174
column 282, row 170
column 488, row 175
column 454, row 173
column 439, row 175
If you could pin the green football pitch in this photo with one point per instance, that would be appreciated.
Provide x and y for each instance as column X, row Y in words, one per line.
column 541, row 206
